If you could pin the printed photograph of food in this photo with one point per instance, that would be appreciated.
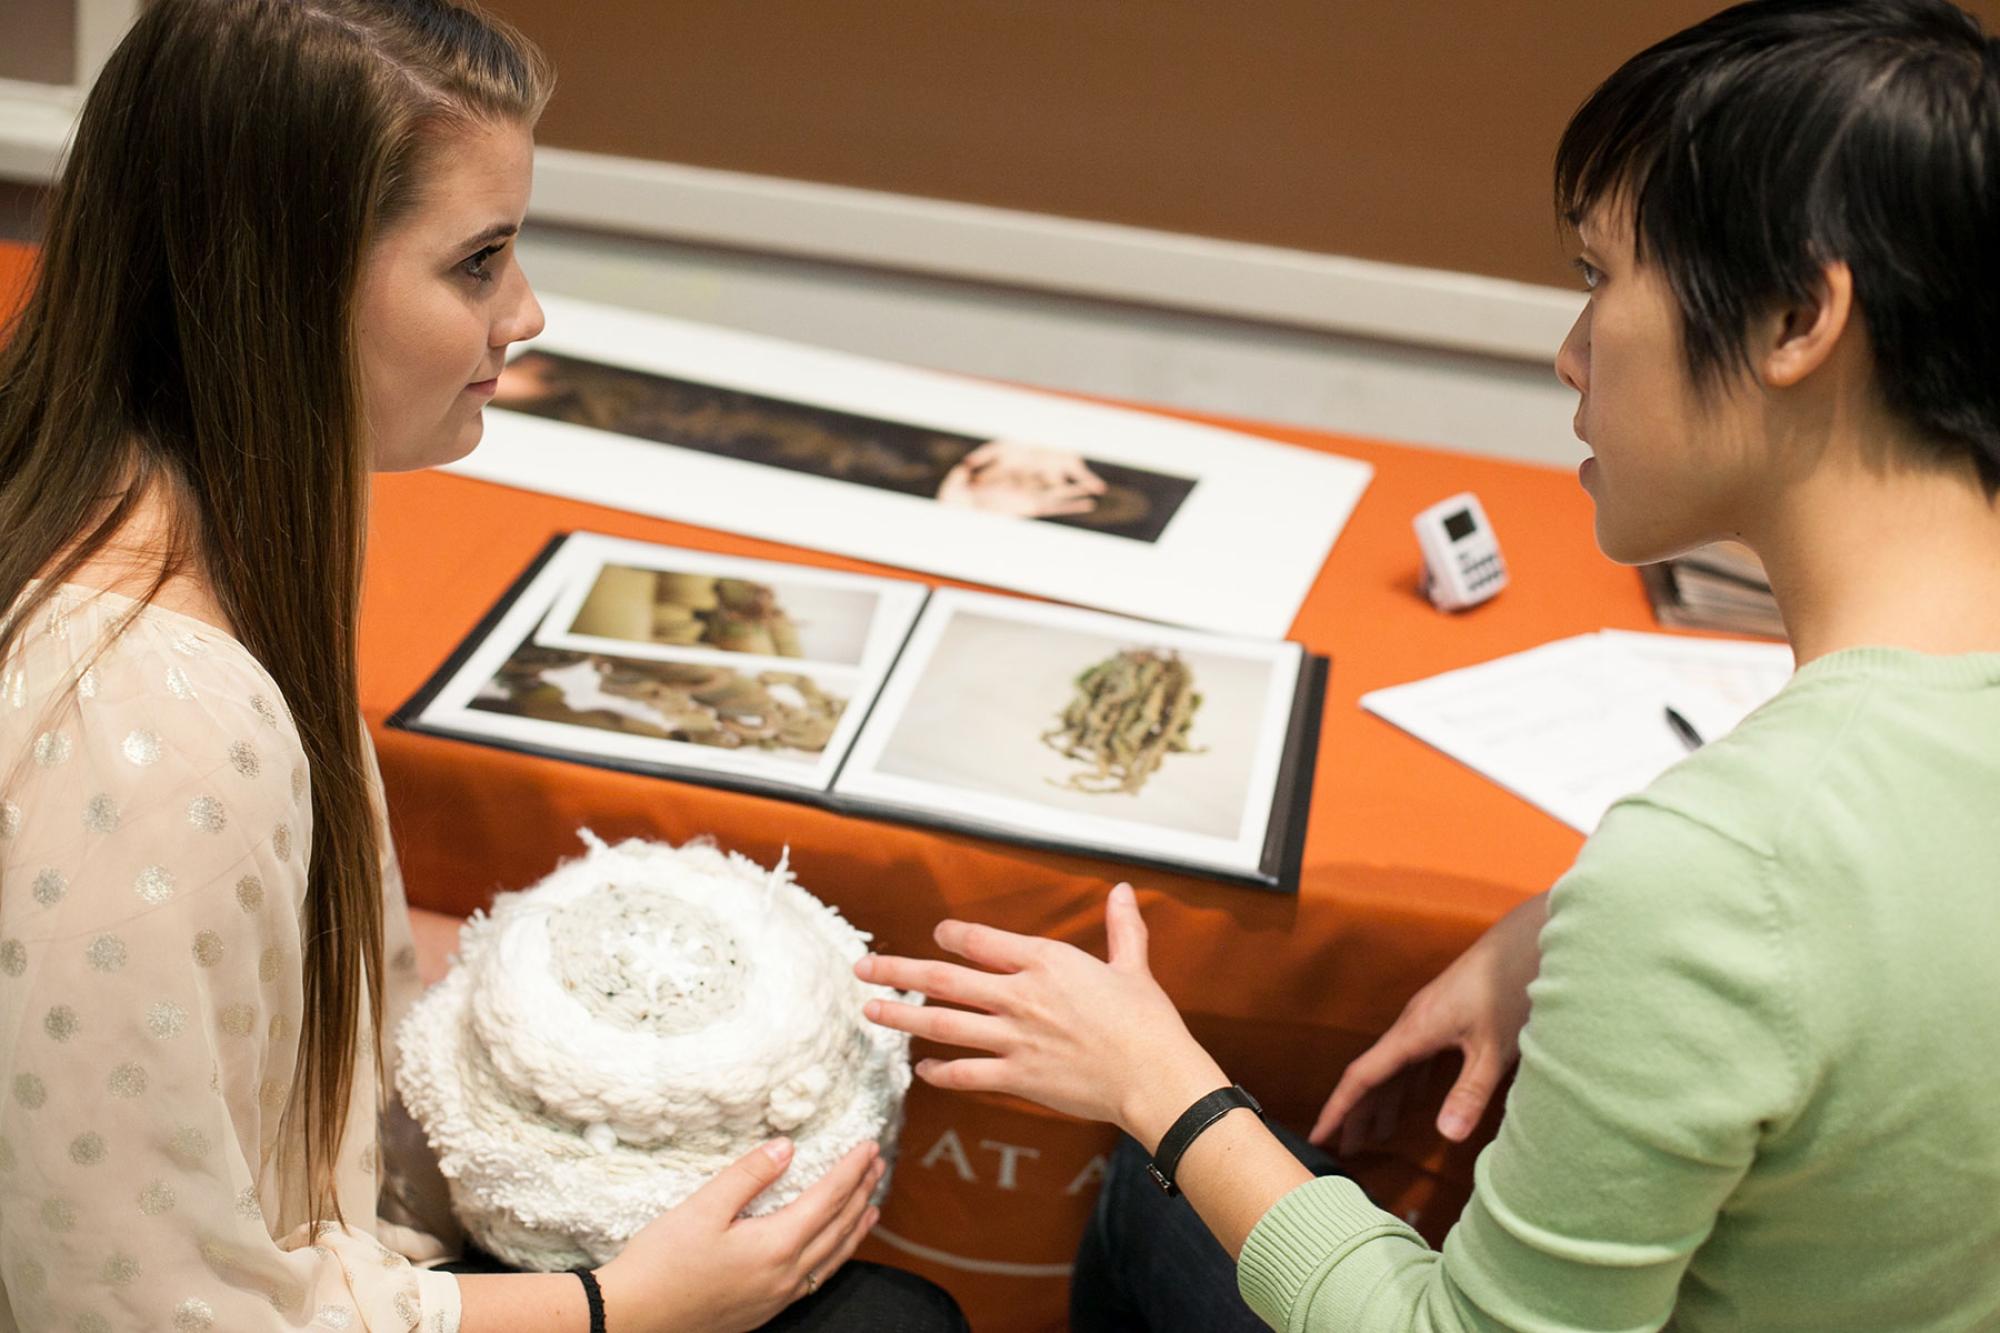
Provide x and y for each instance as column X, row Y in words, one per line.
column 1130, row 712
column 667, row 608
column 1016, row 478
column 785, row 713
column 1083, row 722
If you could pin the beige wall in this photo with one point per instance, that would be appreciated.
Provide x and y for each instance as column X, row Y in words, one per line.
column 1413, row 131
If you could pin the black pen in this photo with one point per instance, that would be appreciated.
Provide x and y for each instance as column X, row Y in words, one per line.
column 1683, row 728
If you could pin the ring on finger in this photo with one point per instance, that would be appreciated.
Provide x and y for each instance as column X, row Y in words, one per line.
column 812, row 1283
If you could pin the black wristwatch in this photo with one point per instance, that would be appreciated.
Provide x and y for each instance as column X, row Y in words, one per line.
column 1189, row 1127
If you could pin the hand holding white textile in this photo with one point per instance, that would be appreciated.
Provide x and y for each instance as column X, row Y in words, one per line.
column 703, row 1265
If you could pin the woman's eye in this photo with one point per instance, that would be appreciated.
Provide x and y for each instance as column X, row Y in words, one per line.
column 1590, row 272
column 476, row 266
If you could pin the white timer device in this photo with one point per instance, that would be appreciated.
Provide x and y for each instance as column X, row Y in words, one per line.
column 1462, row 564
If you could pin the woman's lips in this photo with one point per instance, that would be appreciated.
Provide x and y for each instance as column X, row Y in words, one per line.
column 485, row 388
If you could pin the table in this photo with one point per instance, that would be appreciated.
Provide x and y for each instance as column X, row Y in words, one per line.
column 1408, row 855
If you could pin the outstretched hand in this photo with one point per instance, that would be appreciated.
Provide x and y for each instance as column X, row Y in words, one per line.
column 1479, row 1005
column 1097, row 1039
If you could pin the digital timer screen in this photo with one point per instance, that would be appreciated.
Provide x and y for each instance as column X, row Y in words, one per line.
column 1459, row 526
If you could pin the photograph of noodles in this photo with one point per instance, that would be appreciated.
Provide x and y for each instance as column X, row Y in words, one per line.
column 1084, row 722
column 1016, row 478
column 1129, row 713
column 785, row 713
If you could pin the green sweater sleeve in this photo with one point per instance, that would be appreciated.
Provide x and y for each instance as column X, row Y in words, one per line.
column 1663, row 1042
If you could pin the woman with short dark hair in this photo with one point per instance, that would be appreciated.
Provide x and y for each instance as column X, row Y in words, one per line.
column 1756, row 1088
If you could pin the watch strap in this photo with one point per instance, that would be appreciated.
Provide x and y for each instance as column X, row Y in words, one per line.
column 1185, row 1130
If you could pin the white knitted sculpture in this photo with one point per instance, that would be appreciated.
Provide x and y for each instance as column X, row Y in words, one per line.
column 611, row 1038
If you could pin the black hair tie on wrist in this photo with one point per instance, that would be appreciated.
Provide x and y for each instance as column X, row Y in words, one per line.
column 593, row 1295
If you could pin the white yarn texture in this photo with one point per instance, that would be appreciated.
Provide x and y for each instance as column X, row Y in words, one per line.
column 611, row 1038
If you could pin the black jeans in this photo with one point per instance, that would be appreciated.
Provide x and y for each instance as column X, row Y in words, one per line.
column 1147, row 1262
column 860, row 1298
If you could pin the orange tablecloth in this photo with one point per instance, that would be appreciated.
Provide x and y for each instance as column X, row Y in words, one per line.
column 15, row 262
column 1407, row 858
column 1408, row 855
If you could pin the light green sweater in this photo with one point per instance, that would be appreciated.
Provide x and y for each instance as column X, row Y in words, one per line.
column 1760, row 1087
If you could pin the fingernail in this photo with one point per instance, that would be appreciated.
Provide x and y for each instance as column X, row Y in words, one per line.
column 873, row 1009
column 924, row 1068
column 865, row 969
column 1454, row 1127
column 778, row 1150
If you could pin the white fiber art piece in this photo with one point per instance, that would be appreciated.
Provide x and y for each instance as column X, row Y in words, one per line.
column 611, row 1038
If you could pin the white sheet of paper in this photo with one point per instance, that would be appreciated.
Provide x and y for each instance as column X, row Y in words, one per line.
column 1238, row 557
column 1574, row 725
column 957, row 732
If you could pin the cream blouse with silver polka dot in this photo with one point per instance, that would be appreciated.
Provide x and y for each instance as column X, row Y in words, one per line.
column 154, row 829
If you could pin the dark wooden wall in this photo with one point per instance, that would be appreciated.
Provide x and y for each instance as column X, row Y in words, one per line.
column 1415, row 131
column 38, row 40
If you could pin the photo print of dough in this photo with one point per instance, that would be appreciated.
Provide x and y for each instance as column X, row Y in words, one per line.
column 1088, row 723
column 681, row 662
column 667, row 608
column 1016, row 478
column 781, row 713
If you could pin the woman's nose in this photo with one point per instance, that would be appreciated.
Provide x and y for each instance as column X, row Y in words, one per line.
column 1573, row 357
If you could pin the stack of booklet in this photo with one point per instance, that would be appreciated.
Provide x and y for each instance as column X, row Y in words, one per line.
column 1720, row 586
column 1040, row 724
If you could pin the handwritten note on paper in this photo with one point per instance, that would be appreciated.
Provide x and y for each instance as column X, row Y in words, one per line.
column 1574, row 725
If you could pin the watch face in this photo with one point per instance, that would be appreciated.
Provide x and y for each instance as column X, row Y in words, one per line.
column 1460, row 525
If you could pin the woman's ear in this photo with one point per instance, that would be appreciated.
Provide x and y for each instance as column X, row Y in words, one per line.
column 1799, row 337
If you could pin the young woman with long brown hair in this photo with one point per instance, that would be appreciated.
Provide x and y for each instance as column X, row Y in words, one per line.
column 279, row 258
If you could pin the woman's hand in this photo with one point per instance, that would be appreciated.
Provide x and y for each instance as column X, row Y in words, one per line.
column 1479, row 1004
column 1094, row 1039
column 702, row 1266
column 1022, row 481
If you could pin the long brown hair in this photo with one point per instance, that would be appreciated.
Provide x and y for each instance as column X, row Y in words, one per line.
column 191, row 328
